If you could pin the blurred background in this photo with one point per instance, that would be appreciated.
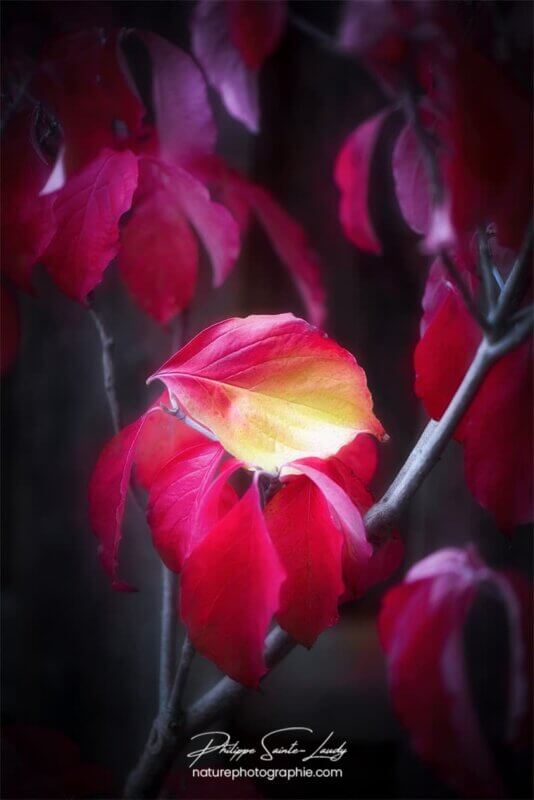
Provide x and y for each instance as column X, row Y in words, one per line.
column 82, row 660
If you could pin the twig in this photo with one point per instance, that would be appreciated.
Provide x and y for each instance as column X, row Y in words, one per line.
column 515, row 282
column 172, row 729
column 467, row 297
column 108, row 370
column 486, row 269
column 169, row 625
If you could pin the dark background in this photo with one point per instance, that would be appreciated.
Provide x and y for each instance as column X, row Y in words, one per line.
column 81, row 659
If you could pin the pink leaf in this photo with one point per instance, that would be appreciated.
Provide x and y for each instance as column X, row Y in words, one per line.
column 223, row 63
column 184, row 120
column 309, row 545
column 230, row 590
column 149, row 442
column 162, row 437
column 346, row 512
column 411, row 181
column 421, row 627
column 175, row 498
column 26, row 218
column 352, row 175
column 87, row 211
column 107, row 496
column 215, row 226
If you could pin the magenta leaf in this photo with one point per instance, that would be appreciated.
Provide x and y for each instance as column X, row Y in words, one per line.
column 223, row 63
column 352, row 175
column 421, row 627
column 184, row 121
column 107, row 497
column 175, row 499
column 87, row 211
column 411, row 181
column 255, row 28
column 230, row 591
column 309, row 545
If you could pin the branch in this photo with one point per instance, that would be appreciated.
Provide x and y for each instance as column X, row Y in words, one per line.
column 515, row 283
column 108, row 370
column 173, row 729
column 467, row 297
column 436, row 435
column 486, row 268
column 169, row 625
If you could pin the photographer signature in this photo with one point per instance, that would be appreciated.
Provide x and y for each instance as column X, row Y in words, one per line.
column 272, row 744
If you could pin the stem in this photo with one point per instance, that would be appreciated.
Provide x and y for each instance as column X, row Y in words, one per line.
column 108, row 369
column 169, row 625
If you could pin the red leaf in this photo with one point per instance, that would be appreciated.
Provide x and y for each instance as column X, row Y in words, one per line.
column 215, row 226
column 230, row 590
column 411, row 181
column 162, row 437
column 175, row 499
column 346, row 513
column 184, row 120
column 9, row 330
column 223, row 63
column 255, row 28
column 81, row 78
column 309, row 545
column 107, row 496
column 486, row 127
column 496, row 430
column 421, row 627
column 87, row 211
column 361, row 457
column 158, row 258
column 352, row 175
column 149, row 442
column 27, row 221
column 159, row 255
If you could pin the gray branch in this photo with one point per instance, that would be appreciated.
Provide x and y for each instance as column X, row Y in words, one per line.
column 108, row 371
